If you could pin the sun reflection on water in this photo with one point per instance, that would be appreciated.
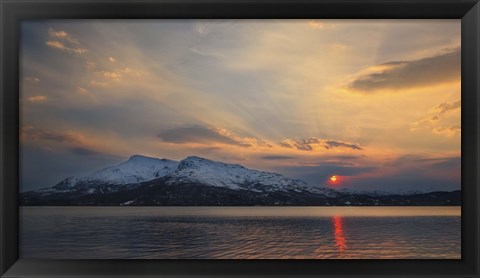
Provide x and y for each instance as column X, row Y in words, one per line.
column 340, row 239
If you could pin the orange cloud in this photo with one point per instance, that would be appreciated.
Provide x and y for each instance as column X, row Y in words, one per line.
column 435, row 118
column 115, row 75
column 317, row 24
column 62, row 35
column 37, row 98
column 64, row 41
column 446, row 107
column 61, row 46
column 449, row 131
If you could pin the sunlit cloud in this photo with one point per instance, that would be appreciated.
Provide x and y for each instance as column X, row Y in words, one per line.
column 321, row 25
column 398, row 75
column 449, row 131
column 310, row 144
column 104, row 77
column 62, row 46
column 62, row 35
column 446, row 107
column 64, row 41
column 37, row 98
column 435, row 119
column 111, row 59
column 56, row 44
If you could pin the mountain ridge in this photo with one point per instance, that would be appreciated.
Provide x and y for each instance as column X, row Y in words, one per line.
column 143, row 180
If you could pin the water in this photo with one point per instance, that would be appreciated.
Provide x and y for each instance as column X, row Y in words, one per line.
column 240, row 232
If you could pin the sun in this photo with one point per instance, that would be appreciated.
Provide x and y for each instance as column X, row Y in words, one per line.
column 333, row 178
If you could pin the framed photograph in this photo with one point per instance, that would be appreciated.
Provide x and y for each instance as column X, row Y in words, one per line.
column 240, row 139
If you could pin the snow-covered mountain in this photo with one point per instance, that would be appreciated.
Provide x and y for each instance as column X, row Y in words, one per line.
column 135, row 170
column 196, row 181
column 199, row 170
column 193, row 169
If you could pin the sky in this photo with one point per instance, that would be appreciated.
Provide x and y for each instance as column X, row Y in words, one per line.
column 375, row 103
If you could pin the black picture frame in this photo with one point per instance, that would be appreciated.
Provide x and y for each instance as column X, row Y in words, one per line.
column 13, row 11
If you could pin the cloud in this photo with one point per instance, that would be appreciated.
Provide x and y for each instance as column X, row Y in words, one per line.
column 309, row 144
column 62, row 40
column 336, row 144
column 433, row 121
column 72, row 141
column 62, row 35
column 449, row 131
column 111, row 59
column 106, row 76
column 112, row 75
column 201, row 135
column 31, row 133
column 321, row 25
column 446, row 107
column 398, row 75
column 55, row 44
column 37, row 98
column 277, row 157
column 300, row 144
column 61, row 46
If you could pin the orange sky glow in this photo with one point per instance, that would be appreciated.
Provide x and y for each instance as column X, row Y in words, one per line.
column 374, row 103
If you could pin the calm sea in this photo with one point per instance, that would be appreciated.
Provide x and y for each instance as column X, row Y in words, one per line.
column 240, row 232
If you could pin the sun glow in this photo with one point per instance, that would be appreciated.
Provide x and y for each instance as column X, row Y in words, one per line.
column 333, row 178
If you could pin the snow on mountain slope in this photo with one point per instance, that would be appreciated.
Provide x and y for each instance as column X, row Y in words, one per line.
column 192, row 169
column 135, row 170
column 195, row 169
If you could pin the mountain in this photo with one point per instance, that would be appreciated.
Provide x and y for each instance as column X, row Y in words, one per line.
column 135, row 170
column 207, row 172
column 197, row 181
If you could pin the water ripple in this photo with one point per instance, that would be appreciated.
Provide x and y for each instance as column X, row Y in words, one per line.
column 157, row 233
